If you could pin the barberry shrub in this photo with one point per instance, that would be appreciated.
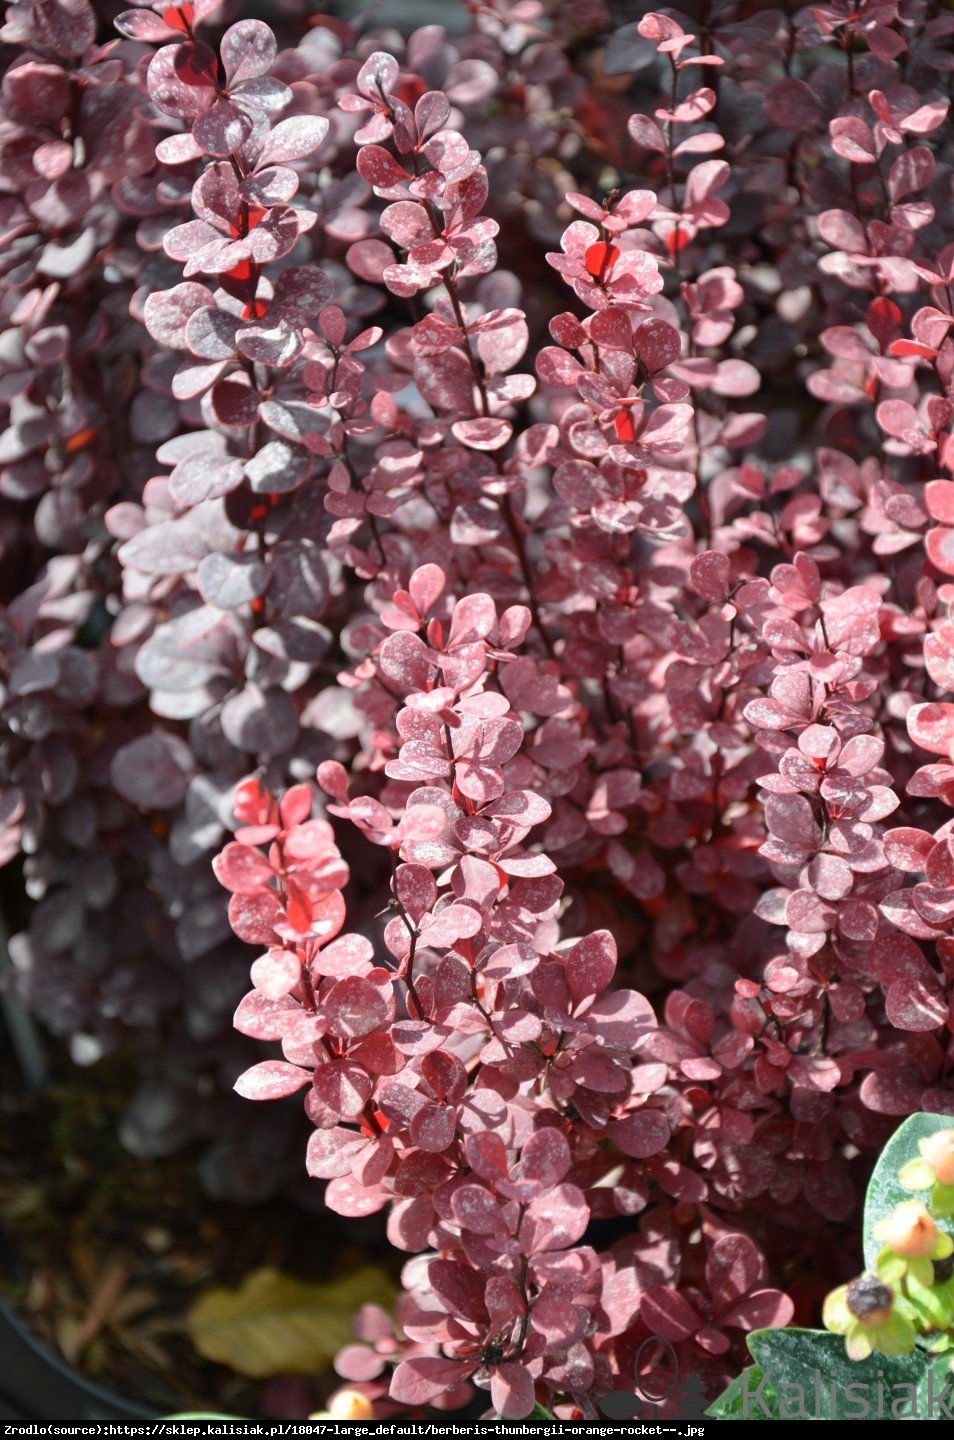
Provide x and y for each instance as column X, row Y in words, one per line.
column 506, row 479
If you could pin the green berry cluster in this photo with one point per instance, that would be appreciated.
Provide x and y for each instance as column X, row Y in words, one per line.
column 910, row 1294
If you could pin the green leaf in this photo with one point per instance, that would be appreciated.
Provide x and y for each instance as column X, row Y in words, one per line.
column 885, row 1190
column 274, row 1324
column 811, row 1377
column 200, row 1415
column 732, row 1403
column 537, row 1415
column 929, row 1306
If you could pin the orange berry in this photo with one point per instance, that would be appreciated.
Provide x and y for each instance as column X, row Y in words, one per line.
column 350, row 1405
column 909, row 1231
column 938, row 1151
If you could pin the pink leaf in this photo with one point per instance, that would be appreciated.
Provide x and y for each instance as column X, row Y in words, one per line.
column 940, row 549
column 939, row 496
column 852, row 139
column 711, row 575
column 908, row 849
column 276, row 973
column 272, row 1080
column 331, row 1153
column 264, row 1019
column 353, row 1007
column 939, row 657
column 293, row 139
column 762, row 1309
column 511, row 1390
column 932, row 727
column 348, row 955
column 425, row 1378
column 243, row 869
column 657, row 345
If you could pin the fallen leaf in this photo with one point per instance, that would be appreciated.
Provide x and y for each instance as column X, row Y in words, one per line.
column 274, row 1324
column 107, row 1293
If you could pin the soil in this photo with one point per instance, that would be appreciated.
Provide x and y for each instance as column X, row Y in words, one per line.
column 102, row 1253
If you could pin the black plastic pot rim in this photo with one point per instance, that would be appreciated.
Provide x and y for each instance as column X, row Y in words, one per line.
column 39, row 1383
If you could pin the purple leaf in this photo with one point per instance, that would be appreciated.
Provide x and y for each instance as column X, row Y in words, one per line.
column 248, row 49
column 293, row 139
column 181, row 79
column 152, row 771
column 222, row 130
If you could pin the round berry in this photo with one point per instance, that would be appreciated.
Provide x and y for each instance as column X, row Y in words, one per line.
column 350, row 1405
column 909, row 1230
column 943, row 1269
column 938, row 1151
column 869, row 1300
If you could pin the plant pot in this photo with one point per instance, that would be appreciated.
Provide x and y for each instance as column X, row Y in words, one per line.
column 35, row 1384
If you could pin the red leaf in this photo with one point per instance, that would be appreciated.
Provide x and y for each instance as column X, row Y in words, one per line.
column 677, row 240
column 590, row 965
column 600, row 257
column 911, row 347
column 241, row 271
column 910, row 1005
column 640, row 1135
column 667, row 1313
column 179, row 17
column 624, row 427
column 298, row 910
